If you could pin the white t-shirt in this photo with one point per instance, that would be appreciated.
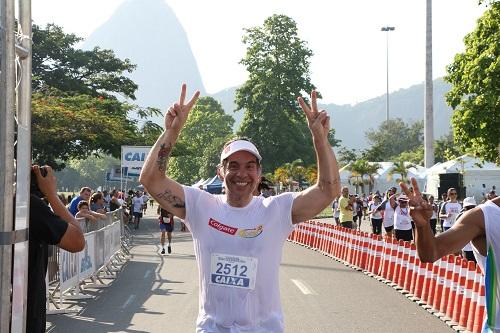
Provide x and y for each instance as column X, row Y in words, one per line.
column 377, row 215
column 388, row 215
column 238, row 251
column 137, row 204
column 402, row 218
column 450, row 207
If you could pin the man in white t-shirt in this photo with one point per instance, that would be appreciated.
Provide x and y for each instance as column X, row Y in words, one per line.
column 238, row 237
column 450, row 209
column 480, row 226
column 137, row 204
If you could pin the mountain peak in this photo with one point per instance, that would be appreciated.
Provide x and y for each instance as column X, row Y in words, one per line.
column 149, row 34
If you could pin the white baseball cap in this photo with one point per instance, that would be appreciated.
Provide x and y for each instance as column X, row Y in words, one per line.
column 403, row 197
column 469, row 201
column 239, row 145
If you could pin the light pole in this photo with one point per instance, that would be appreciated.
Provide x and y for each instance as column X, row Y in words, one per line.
column 387, row 29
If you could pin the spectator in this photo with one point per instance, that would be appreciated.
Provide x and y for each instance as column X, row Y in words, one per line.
column 435, row 211
column 467, row 251
column 387, row 209
column 48, row 225
column 375, row 215
column 444, row 198
column 85, row 212
column 97, row 203
column 450, row 209
column 336, row 211
column 346, row 209
column 84, row 195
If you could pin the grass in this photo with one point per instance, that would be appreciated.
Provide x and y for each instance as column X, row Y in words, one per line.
column 327, row 212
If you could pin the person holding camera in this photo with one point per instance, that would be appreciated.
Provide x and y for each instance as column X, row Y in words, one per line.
column 47, row 225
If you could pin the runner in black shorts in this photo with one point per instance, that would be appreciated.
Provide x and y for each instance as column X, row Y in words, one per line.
column 166, row 221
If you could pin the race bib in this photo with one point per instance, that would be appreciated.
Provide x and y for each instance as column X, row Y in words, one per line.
column 233, row 271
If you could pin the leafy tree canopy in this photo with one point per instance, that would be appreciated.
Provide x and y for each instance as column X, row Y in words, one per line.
column 474, row 95
column 75, row 110
column 58, row 64
column 392, row 138
column 278, row 64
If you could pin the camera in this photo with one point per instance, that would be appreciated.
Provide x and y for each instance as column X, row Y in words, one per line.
column 34, row 189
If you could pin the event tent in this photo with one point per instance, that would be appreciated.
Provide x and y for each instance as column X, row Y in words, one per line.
column 214, row 185
column 477, row 177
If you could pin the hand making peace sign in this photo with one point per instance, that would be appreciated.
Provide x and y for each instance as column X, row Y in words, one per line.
column 177, row 114
column 420, row 209
column 317, row 121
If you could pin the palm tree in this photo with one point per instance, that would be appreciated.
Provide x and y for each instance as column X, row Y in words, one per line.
column 358, row 170
column 401, row 168
column 312, row 174
column 371, row 172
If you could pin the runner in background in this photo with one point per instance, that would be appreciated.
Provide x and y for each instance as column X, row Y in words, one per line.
column 166, row 222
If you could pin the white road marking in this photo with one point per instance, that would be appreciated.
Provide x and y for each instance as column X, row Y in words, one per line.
column 129, row 300
column 306, row 289
column 148, row 272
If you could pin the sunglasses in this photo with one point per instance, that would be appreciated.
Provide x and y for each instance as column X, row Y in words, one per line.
column 453, row 193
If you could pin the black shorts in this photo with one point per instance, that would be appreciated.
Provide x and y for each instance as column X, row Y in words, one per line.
column 168, row 227
column 137, row 214
column 406, row 235
column 389, row 228
column 346, row 224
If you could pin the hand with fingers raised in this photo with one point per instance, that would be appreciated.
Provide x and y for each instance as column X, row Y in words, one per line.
column 317, row 121
column 177, row 114
column 420, row 209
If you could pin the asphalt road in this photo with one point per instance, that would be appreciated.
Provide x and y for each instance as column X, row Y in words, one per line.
column 159, row 293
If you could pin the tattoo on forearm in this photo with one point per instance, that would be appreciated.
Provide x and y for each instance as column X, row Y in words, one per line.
column 163, row 156
column 171, row 199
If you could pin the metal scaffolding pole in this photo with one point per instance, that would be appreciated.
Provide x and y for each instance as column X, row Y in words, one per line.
column 20, row 281
column 15, row 136
column 7, row 111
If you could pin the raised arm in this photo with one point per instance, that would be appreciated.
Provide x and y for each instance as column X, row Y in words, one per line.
column 429, row 247
column 167, row 192
column 313, row 200
column 72, row 240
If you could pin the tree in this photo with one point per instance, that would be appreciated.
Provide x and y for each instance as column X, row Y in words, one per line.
column 400, row 168
column 278, row 64
column 474, row 95
column 393, row 137
column 361, row 168
column 205, row 132
column 75, row 111
column 346, row 156
column 445, row 148
column 58, row 64
column 77, row 126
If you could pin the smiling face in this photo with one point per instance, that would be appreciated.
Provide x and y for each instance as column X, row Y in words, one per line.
column 241, row 175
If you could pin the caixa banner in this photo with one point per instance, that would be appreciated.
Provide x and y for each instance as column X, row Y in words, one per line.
column 134, row 156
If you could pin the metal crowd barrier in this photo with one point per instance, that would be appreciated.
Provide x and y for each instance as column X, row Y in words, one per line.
column 107, row 244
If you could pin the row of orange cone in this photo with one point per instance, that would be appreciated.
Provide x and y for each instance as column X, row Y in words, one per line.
column 451, row 288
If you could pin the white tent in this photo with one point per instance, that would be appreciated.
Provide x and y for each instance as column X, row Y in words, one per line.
column 199, row 182
column 383, row 180
column 478, row 177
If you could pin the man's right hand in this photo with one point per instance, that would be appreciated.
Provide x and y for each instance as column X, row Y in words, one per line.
column 47, row 184
column 177, row 114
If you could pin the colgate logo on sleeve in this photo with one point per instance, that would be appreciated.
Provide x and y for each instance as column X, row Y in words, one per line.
column 222, row 227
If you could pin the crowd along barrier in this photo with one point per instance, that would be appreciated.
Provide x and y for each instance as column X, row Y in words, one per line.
column 451, row 288
column 107, row 244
